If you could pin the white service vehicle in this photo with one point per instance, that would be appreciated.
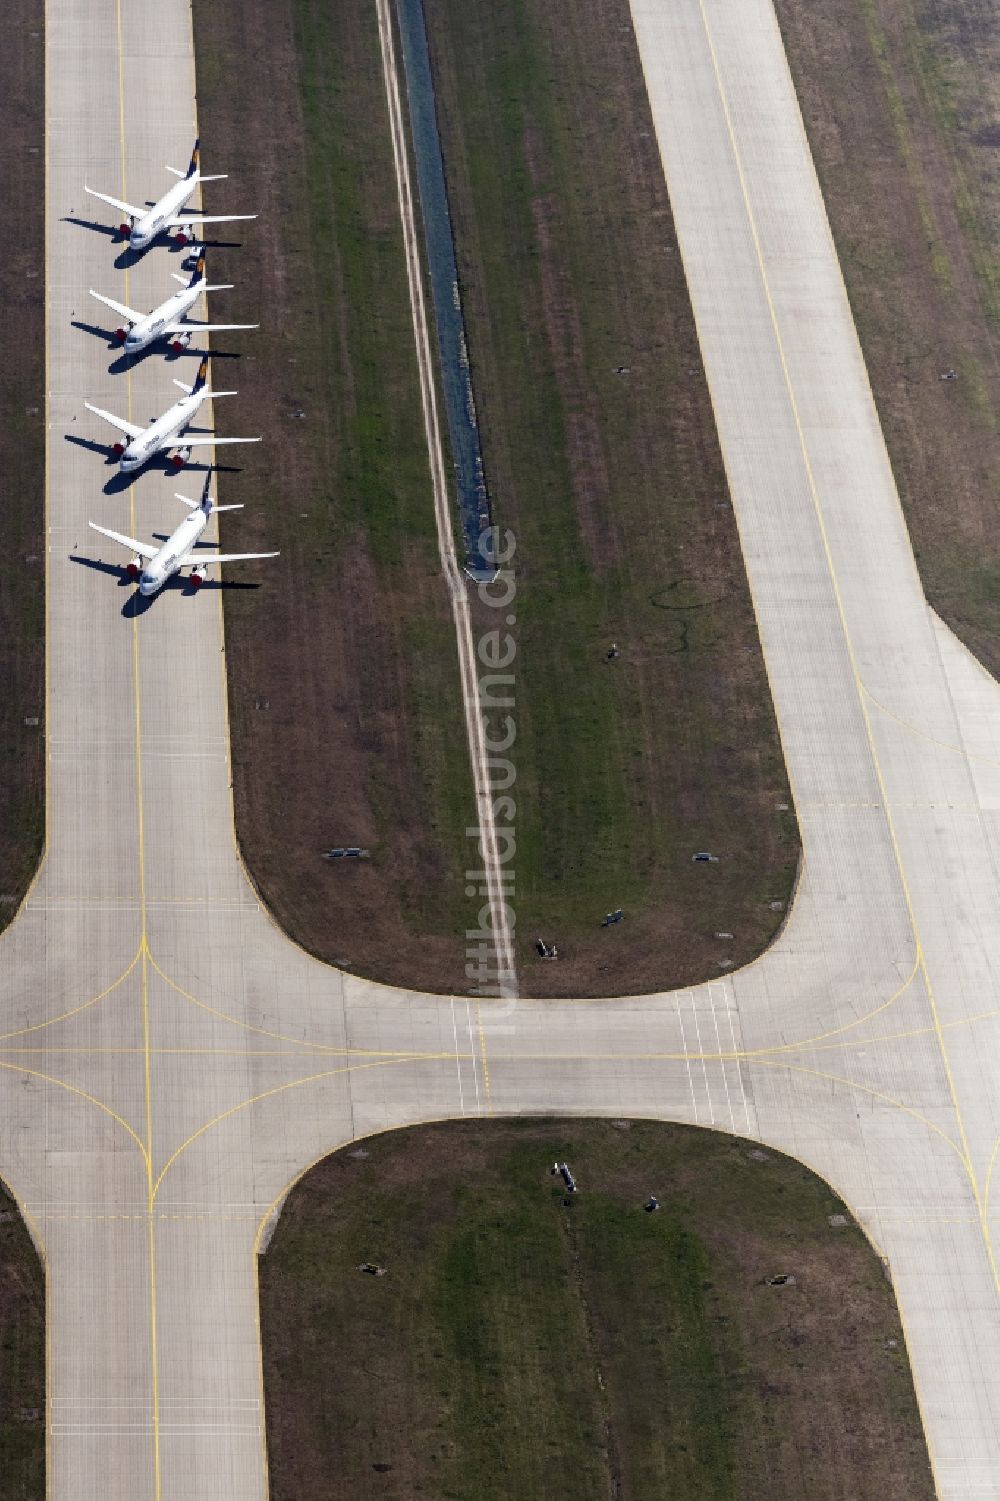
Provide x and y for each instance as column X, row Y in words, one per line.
column 164, row 435
column 161, row 563
column 169, row 321
column 142, row 225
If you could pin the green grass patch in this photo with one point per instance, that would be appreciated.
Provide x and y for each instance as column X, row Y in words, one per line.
column 612, row 482
column 345, row 699
column 22, row 461
column 601, row 456
column 519, row 1345
column 22, row 1359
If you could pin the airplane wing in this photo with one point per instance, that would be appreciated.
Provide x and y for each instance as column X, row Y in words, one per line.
column 190, row 558
column 186, row 442
column 119, row 307
column 118, row 422
column 142, row 548
column 194, row 216
column 126, row 208
column 190, row 327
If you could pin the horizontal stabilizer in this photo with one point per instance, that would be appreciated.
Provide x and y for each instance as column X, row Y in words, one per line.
column 118, row 422
column 126, row 208
column 193, row 505
column 142, row 548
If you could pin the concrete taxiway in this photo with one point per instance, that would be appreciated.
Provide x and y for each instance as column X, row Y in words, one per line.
column 169, row 1061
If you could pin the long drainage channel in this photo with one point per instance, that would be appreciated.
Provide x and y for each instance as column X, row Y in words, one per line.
column 439, row 240
column 496, row 973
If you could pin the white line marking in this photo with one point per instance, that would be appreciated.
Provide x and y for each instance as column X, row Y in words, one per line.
column 722, row 1061
column 473, row 1051
column 687, row 1060
column 739, row 1074
column 458, row 1061
column 704, row 1065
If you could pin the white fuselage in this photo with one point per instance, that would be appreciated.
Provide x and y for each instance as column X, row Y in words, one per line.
column 149, row 225
column 159, row 436
column 169, row 313
column 167, row 561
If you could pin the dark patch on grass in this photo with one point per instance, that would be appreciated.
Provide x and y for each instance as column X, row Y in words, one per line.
column 519, row 1347
column 22, row 455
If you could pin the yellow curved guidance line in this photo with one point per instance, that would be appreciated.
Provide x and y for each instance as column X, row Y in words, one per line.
column 75, row 1010
column 34, row 1073
column 347, row 1068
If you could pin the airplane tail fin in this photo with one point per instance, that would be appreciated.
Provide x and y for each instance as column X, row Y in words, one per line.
column 198, row 274
column 195, row 161
column 206, row 503
column 201, row 377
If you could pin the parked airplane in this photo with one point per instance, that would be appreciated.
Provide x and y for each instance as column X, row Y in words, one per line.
column 169, row 321
column 142, row 225
column 163, row 435
column 179, row 550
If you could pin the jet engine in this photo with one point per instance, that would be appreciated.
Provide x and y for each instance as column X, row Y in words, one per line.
column 179, row 342
column 198, row 576
column 179, row 457
column 118, row 449
column 183, row 234
column 134, row 568
column 121, row 334
column 126, row 226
